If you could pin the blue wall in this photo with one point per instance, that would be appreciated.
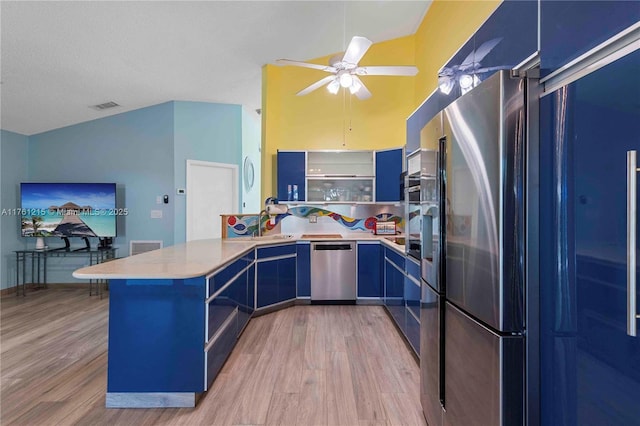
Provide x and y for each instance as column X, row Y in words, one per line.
column 13, row 170
column 134, row 150
column 143, row 151
column 205, row 132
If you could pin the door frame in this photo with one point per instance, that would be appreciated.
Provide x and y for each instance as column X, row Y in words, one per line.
column 189, row 182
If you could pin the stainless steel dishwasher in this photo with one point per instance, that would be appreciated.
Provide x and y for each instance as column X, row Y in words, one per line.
column 333, row 271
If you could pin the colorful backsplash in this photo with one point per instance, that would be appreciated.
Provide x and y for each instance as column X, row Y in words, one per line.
column 247, row 225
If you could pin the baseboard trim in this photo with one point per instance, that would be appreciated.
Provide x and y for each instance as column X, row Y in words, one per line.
column 151, row 399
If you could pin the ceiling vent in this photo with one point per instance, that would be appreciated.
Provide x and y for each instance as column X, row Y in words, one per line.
column 105, row 105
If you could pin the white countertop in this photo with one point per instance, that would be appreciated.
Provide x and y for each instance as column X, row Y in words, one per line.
column 198, row 258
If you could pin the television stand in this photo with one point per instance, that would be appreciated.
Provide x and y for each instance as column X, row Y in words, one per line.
column 87, row 245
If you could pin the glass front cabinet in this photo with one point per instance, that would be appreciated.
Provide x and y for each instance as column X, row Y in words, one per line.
column 334, row 176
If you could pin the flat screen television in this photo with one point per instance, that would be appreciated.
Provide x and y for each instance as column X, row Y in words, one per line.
column 68, row 210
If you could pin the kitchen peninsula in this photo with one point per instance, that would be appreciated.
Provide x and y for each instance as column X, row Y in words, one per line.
column 176, row 313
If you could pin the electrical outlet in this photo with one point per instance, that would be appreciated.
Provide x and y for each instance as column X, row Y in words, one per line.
column 313, row 218
column 156, row 214
column 158, row 199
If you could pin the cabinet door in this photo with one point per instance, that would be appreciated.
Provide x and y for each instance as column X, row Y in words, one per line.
column 369, row 270
column 267, row 283
column 291, row 171
column 303, row 269
column 286, row 279
column 394, row 283
column 388, row 170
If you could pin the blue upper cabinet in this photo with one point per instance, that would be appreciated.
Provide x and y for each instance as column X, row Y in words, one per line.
column 388, row 170
column 570, row 28
column 291, row 171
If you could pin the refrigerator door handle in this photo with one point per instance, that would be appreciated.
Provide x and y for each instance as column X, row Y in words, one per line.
column 632, row 211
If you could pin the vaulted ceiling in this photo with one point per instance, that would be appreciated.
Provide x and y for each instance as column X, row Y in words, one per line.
column 58, row 58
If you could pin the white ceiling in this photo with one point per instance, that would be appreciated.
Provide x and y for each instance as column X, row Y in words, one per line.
column 60, row 57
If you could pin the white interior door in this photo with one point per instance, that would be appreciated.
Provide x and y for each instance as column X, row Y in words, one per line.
column 212, row 190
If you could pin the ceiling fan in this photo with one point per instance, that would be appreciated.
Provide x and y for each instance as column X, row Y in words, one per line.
column 345, row 70
column 466, row 74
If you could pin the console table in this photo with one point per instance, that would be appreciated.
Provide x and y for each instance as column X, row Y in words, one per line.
column 39, row 263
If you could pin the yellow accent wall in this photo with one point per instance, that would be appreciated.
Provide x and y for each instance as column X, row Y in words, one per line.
column 321, row 120
column 446, row 26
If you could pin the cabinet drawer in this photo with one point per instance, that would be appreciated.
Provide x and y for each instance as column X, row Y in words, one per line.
column 396, row 258
column 218, row 349
column 219, row 312
column 220, row 278
column 413, row 269
column 275, row 251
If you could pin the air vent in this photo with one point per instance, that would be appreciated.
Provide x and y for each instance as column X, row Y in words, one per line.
column 141, row 246
column 105, row 105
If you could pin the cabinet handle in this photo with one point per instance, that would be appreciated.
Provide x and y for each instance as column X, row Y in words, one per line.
column 632, row 211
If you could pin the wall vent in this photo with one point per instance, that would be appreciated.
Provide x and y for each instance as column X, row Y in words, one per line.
column 105, row 105
column 141, row 246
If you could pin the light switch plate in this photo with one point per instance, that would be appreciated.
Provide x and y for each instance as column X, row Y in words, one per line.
column 313, row 218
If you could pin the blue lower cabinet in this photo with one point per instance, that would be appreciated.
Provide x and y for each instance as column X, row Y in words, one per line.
column 393, row 282
column 251, row 289
column 394, row 291
column 276, row 280
column 412, row 287
column 144, row 316
column 303, row 269
column 286, row 279
column 412, row 331
column 219, row 349
column 370, row 270
column 267, row 279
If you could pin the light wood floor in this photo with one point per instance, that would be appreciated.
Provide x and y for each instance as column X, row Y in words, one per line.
column 305, row 365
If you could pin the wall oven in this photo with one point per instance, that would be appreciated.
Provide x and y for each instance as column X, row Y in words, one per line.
column 420, row 195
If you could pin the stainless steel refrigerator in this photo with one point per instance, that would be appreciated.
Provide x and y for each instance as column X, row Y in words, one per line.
column 472, row 310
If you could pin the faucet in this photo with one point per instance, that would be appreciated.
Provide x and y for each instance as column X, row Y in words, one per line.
column 260, row 222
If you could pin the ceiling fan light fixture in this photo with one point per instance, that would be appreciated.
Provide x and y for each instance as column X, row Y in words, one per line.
column 346, row 80
column 355, row 86
column 466, row 81
column 333, row 87
column 446, row 85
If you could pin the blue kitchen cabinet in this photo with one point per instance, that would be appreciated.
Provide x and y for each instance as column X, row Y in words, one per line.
column 412, row 303
column 144, row 316
column 267, row 283
column 569, row 29
column 589, row 369
column 369, row 270
column 276, row 274
column 394, row 286
column 291, row 170
column 388, row 170
column 303, row 268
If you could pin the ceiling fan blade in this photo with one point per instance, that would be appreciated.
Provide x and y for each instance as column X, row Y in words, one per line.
column 490, row 69
column 446, row 72
column 387, row 70
column 326, row 68
column 318, row 84
column 479, row 54
column 358, row 46
column 361, row 92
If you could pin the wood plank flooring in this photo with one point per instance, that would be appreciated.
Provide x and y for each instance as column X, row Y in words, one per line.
column 305, row 365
